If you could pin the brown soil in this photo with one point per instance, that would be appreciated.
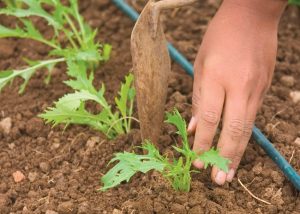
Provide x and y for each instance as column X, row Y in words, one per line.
column 63, row 169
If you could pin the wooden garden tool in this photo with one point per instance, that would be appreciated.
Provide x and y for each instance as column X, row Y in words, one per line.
column 152, row 66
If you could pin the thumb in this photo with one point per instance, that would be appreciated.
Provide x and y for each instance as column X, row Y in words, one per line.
column 195, row 101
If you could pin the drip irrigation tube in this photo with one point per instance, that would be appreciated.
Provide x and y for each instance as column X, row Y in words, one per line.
column 259, row 137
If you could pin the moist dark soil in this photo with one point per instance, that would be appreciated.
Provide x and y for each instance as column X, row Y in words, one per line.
column 63, row 169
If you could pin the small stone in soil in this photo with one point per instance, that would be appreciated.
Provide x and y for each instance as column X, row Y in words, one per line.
column 51, row 212
column 18, row 176
column 297, row 141
column 92, row 142
column 66, row 208
column 287, row 80
column 55, row 146
column 45, row 167
column 116, row 211
column 11, row 146
column 5, row 125
column 295, row 95
column 257, row 169
column 32, row 176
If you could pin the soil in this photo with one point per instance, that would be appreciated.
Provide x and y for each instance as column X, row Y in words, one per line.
column 62, row 169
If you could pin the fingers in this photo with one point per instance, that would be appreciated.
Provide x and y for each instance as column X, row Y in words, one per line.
column 196, row 94
column 232, row 132
column 248, row 126
column 209, row 109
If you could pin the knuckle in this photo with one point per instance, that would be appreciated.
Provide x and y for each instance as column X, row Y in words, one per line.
column 235, row 129
column 210, row 118
column 236, row 160
column 196, row 99
column 248, row 129
column 204, row 145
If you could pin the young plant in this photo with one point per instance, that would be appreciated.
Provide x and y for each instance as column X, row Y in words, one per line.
column 70, row 109
column 177, row 171
column 72, row 39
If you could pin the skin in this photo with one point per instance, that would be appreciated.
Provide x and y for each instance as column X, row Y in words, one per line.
column 233, row 71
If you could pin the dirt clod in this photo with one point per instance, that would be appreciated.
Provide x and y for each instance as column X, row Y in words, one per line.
column 18, row 176
column 287, row 80
column 45, row 167
column 116, row 211
column 5, row 125
column 84, row 208
column 51, row 212
column 295, row 95
column 66, row 208
column 297, row 141
column 32, row 176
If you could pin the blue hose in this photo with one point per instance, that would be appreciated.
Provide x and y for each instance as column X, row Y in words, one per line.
column 259, row 137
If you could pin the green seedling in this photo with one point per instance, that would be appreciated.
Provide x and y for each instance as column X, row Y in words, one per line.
column 176, row 170
column 72, row 39
column 70, row 109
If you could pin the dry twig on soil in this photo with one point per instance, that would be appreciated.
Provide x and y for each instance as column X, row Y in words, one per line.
column 250, row 193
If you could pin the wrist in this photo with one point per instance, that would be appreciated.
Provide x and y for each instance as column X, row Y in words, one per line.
column 265, row 10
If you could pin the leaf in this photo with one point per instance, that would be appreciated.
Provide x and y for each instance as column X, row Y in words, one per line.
column 78, row 70
column 213, row 158
column 60, row 114
column 9, row 76
column 106, row 52
column 176, row 119
column 124, row 97
column 71, row 54
column 128, row 165
column 34, row 8
column 72, row 101
column 8, row 32
column 70, row 109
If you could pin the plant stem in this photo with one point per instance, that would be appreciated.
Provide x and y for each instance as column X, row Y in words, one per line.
column 129, row 114
column 70, row 22
column 40, row 65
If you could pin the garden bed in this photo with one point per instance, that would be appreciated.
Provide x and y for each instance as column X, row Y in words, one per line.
column 63, row 169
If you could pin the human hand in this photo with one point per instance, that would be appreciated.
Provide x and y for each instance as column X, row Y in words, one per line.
column 233, row 70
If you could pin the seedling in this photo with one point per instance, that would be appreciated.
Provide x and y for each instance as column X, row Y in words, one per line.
column 177, row 171
column 70, row 109
column 72, row 39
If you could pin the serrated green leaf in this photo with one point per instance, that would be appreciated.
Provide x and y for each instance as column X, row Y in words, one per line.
column 213, row 158
column 9, row 76
column 176, row 119
column 78, row 70
column 177, row 171
column 122, row 101
column 128, row 165
column 8, row 32
column 106, row 52
column 34, row 8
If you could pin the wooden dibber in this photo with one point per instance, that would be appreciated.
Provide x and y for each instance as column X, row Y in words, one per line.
column 152, row 66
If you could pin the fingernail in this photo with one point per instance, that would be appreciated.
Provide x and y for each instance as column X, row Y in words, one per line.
column 220, row 178
column 230, row 175
column 191, row 124
column 198, row 164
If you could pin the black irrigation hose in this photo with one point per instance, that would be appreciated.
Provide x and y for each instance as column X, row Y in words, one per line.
column 259, row 137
